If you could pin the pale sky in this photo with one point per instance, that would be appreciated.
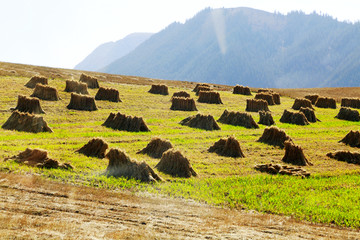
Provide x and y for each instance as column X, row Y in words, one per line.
column 61, row 33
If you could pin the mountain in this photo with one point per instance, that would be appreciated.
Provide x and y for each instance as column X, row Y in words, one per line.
column 109, row 52
column 250, row 47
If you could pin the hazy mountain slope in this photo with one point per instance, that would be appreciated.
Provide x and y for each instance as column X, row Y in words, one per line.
column 108, row 52
column 250, row 47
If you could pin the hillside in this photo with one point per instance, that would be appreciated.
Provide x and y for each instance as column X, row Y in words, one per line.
column 108, row 52
column 329, row 196
column 250, row 47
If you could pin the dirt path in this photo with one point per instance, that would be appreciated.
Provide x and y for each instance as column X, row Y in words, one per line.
column 33, row 208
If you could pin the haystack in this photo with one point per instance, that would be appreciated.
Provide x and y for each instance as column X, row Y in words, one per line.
column 345, row 156
column 241, row 90
column 282, row 170
column 29, row 105
column 120, row 165
column 26, row 122
column 82, row 102
column 89, row 80
column 266, row 96
column 46, row 92
column 297, row 118
column 352, row 139
column 108, row 94
column 261, row 90
column 38, row 158
column 209, row 97
column 255, row 105
column 350, row 102
column 174, row 163
column 274, row 136
column 349, row 114
column 238, row 119
column 96, row 147
column 156, row 147
column 159, row 89
column 128, row 123
column 202, row 88
column 302, row 102
column 266, row 118
column 183, row 104
column 294, row 155
column 313, row 98
column 77, row 87
column 276, row 97
column 325, row 102
column 180, row 94
column 201, row 85
column 309, row 114
column 35, row 80
column 206, row 122
column 228, row 147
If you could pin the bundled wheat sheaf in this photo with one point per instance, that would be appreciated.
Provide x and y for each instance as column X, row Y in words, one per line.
column 183, row 104
column 38, row 158
column 35, row 80
column 297, row 118
column 29, row 105
column 349, row 114
column 241, row 90
column 294, row 155
column 209, row 97
column 313, row 98
column 128, row 123
column 267, row 96
column 238, row 119
column 350, row 102
column 82, row 102
column 180, row 94
column 274, row 136
column 173, row 162
column 108, row 94
column 345, row 156
column 228, row 147
column 120, row 165
column 282, row 170
column 89, row 80
column 46, row 92
column 159, row 89
column 202, row 88
column 77, row 87
column 206, row 122
column 302, row 102
column 26, row 122
column 201, row 85
column 309, row 114
column 96, row 147
column 325, row 102
column 255, row 105
column 352, row 139
column 262, row 90
column 266, row 118
column 156, row 147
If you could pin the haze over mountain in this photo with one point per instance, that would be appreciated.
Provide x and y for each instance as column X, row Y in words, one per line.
column 108, row 52
column 250, row 47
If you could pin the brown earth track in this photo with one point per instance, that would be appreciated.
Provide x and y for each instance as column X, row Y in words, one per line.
column 31, row 207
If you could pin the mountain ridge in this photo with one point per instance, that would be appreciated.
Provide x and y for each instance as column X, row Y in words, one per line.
column 250, row 47
column 108, row 52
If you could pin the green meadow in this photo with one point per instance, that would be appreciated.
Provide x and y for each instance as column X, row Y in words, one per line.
column 331, row 195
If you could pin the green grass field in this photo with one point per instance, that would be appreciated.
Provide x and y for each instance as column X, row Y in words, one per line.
column 331, row 195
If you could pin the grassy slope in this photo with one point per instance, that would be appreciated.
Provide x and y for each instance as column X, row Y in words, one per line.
column 331, row 195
